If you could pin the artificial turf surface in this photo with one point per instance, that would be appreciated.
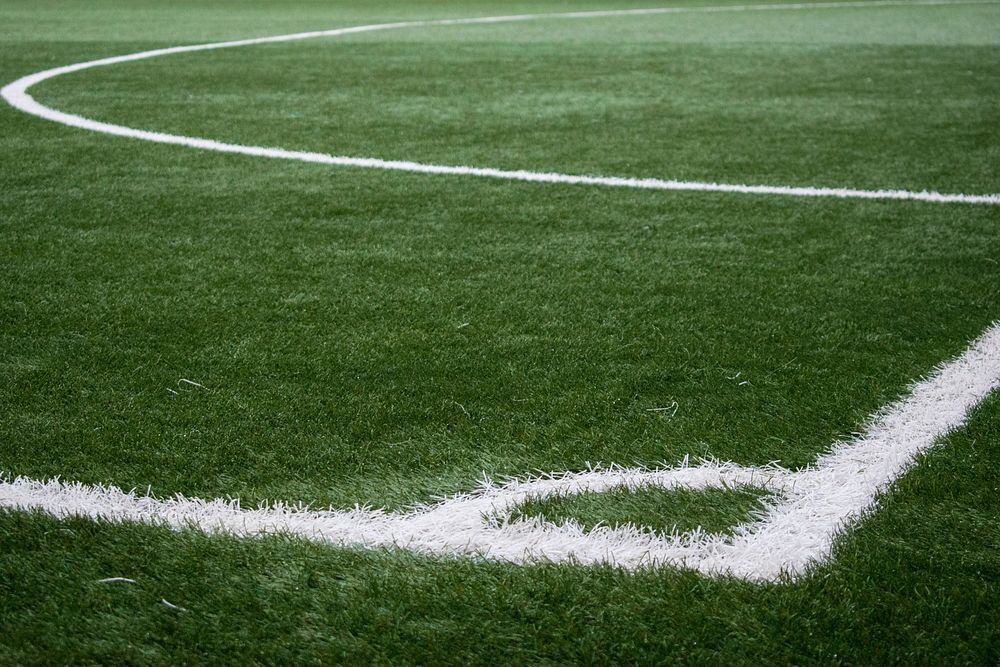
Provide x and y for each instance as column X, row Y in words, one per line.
column 915, row 584
column 665, row 511
column 385, row 338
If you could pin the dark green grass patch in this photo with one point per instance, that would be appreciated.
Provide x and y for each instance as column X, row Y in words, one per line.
column 390, row 344
column 664, row 511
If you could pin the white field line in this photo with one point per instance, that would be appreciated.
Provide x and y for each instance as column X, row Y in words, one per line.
column 796, row 529
column 16, row 94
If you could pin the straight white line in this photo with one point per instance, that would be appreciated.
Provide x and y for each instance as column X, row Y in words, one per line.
column 16, row 94
column 795, row 532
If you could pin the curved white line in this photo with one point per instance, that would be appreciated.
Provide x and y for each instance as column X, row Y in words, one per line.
column 796, row 530
column 16, row 94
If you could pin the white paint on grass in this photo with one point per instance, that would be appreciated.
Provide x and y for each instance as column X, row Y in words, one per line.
column 796, row 529
column 16, row 94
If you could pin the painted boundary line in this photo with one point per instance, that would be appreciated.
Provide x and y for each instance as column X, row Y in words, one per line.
column 796, row 529
column 16, row 94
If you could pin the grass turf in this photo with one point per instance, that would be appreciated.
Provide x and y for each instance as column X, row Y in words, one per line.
column 384, row 338
column 915, row 584
column 660, row 510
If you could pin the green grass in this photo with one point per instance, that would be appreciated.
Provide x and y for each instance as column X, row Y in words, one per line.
column 385, row 338
column 650, row 508
column 632, row 96
column 915, row 584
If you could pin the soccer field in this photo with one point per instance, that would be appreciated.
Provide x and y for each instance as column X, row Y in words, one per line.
column 523, row 332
